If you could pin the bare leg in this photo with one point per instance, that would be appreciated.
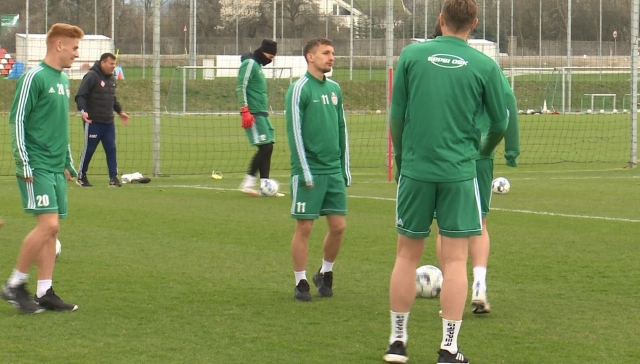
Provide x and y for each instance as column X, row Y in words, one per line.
column 40, row 246
column 333, row 239
column 300, row 244
column 454, row 287
column 402, row 291
column 479, row 246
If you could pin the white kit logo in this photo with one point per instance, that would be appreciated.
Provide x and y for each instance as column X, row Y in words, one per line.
column 447, row 61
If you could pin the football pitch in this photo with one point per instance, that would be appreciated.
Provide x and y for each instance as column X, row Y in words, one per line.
column 188, row 270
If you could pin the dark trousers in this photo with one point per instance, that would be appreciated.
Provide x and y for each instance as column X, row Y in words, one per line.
column 94, row 133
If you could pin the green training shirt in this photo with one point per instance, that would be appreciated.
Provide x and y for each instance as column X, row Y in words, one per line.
column 439, row 90
column 39, row 122
column 511, row 136
column 252, row 87
column 316, row 129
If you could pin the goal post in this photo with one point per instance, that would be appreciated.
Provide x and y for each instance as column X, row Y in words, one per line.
column 605, row 102
column 581, row 122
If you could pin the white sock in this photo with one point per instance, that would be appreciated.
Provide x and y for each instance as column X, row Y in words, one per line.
column 480, row 275
column 399, row 327
column 450, row 331
column 17, row 278
column 326, row 266
column 249, row 181
column 43, row 287
column 300, row 276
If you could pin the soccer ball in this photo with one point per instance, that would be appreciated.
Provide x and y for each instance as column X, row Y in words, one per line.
column 615, row 111
column 428, row 281
column 601, row 111
column 589, row 111
column 625, row 111
column 269, row 187
column 58, row 248
column 500, row 186
column 378, row 112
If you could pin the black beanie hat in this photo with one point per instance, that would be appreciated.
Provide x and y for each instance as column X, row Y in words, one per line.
column 269, row 46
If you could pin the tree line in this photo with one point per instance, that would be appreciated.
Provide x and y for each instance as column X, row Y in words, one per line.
column 303, row 19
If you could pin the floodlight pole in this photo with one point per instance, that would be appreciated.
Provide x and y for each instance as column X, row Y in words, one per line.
column 600, row 43
column 193, row 45
column 156, row 88
column 569, row 12
column 540, row 38
column 498, row 28
column 484, row 19
column 46, row 15
column 426, row 19
column 26, row 39
column 635, row 18
column 144, row 39
column 275, row 20
column 370, row 44
column 113, row 24
column 95, row 16
column 351, row 43
column 413, row 18
column 326, row 18
column 512, row 50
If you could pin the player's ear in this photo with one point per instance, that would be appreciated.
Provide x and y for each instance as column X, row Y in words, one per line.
column 475, row 23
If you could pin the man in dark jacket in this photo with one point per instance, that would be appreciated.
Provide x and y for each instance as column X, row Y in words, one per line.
column 96, row 100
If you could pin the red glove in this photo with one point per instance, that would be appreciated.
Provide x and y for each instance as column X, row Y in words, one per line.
column 247, row 118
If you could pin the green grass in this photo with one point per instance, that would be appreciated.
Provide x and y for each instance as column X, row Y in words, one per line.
column 363, row 89
column 199, row 144
column 188, row 270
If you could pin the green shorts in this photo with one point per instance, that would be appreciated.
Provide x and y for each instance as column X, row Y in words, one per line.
column 328, row 196
column 47, row 193
column 484, row 170
column 261, row 132
column 458, row 205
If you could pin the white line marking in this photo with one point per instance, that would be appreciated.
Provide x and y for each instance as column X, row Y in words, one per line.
column 566, row 215
column 619, row 219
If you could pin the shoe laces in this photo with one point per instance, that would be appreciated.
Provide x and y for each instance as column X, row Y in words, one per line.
column 53, row 296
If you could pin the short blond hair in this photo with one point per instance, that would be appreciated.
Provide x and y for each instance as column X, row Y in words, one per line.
column 62, row 30
column 459, row 14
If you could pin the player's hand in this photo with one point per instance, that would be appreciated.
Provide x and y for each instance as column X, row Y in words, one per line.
column 124, row 118
column 85, row 117
column 68, row 175
column 26, row 179
column 247, row 118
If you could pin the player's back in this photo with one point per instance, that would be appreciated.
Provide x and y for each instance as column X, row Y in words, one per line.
column 446, row 83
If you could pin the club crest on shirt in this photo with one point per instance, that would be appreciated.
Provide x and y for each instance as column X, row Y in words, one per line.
column 102, row 83
column 334, row 98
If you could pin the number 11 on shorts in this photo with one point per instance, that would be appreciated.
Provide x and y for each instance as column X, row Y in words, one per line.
column 300, row 207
